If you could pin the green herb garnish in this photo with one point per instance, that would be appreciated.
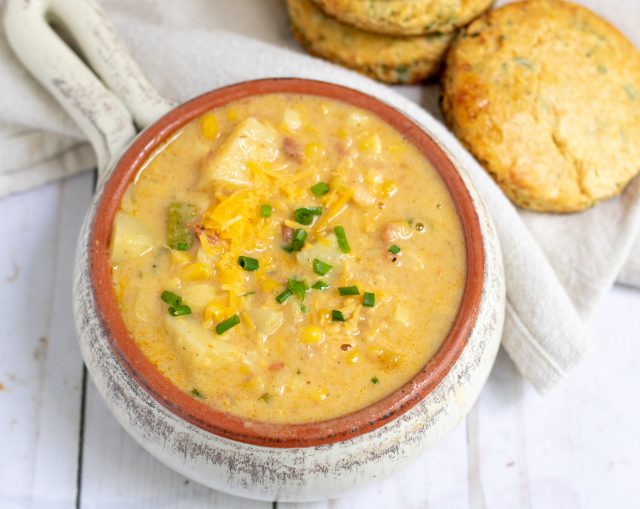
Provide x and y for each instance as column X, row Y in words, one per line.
column 266, row 210
column 297, row 239
column 320, row 267
column 337, row 316
column 284, row 296
column 320, row 189
column 342, row 239
column 176, row 307
column 394, row 249
column 179, row 310
column 320, row 285
column 375, row 380
column 348, row 290
column 171, row 298
column 197, row 393
column 248, row 264
column 266, row 397
column 230, row 322
column 298, row 288
column 369, row 299
column 305, row 215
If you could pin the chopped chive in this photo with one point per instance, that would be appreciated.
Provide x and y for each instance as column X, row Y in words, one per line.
column 342, row 239
column 298, row 288
column 223, row 327
column 299, row 371
column 181, row 246
column 320, row 267
column 320, row 285
column 303, row 308
column 266, row 397
column 375, row 380
column 337, row 315
column 266, row 210
column 305, row 215
column 369, row 299
column 248, row 264
column 179, row 310
column 348, row 290
column 320, row 189
column 394, row 249
column 171, row 298
column 284, row 296
column 297, row 239
column 197, row 393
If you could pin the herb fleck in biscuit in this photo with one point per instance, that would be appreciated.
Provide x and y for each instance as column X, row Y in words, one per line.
column 547, row 96
column 405, row 17
column 386, row 58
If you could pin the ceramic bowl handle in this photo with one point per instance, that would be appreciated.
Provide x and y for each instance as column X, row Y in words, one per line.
column 108, row 99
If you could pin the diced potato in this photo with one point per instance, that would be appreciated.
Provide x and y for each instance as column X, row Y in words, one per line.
column 250, row 141
column 197, row 296
column 146, row 304
column 292, row 119
column 328, row 254
column 129, row 238
column 198, row 345
column 266, row 320
column 402, row 314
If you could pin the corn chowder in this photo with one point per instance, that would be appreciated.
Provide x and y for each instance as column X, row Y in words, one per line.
column 288, row 258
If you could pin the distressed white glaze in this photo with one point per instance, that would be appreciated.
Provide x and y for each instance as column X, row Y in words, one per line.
column 104, row 110
column 234, row 467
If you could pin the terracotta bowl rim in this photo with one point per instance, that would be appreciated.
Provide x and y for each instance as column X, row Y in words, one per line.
column 266, row 434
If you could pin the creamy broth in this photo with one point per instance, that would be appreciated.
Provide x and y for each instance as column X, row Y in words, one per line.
column 288, row 258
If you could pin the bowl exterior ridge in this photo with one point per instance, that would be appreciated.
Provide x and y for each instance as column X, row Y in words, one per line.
column 293, row 473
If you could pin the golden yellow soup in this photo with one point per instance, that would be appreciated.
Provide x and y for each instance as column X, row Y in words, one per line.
column 288, row 258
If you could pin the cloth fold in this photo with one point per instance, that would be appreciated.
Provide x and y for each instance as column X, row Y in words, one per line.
column 557, row 266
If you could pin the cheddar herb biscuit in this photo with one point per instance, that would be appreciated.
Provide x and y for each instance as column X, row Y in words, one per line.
column 386, row 58
column 405, row 17
column 547, row 96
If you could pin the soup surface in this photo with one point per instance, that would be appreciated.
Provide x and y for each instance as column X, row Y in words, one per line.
column 288, row 258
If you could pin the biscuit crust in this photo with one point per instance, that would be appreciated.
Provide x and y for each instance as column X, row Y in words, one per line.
column 382, row 57
column 405, row 17
column 546, row 95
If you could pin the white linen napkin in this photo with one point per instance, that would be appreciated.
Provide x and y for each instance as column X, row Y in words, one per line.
column 557, row 266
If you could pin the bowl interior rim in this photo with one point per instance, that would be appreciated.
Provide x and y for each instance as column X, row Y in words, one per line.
column 223, row 424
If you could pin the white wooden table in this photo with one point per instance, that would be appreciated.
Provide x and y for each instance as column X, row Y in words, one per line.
column 578, row 447
column 60, row 448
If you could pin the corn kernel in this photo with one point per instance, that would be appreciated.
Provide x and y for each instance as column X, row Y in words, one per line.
column 311, row 334
column 232, row 114
column 179, row 258
column 270, row 285
column 254, row 384
column 353, row 356
column 374, row 351
column 314, row 150
column 245, row 370
column 320, row 394
column 214, row 312
column 371, row 143
column 390, row 359
column 389, row 188
column 197, row 270
column 209, row 126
